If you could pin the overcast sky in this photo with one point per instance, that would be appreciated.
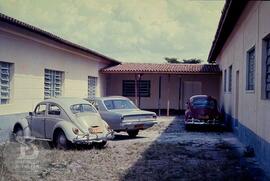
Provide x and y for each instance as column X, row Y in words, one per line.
column 127, row 30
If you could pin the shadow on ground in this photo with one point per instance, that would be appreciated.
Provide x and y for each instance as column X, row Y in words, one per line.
column 206, row 157
column 120, row 137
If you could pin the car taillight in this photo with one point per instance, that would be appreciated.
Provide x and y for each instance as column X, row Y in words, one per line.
column 108, row 127
column 75, row 131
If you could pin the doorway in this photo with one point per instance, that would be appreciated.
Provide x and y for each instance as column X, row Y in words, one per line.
column 191, row 88
column 236, row 100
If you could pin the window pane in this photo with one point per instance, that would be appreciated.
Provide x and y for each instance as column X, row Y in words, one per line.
column 230, row 79
column 54, row 110
column 108, row 104
column 81, row 108
column 53, row 83
column 40, row 110
column 225, row 80
column 267, row 70
column 250, row 71
column 4, row 82
column 92, row 86
column 144, row 88
column 268, row 95
column 129, row 88
column 268, row 61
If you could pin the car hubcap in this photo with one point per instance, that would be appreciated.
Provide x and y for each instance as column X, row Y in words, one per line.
column 62, row 139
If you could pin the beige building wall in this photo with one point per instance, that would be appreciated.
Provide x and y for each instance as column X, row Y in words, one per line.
column 250, row 30
column 253, row 115
column 172, row 89
column 30, row 55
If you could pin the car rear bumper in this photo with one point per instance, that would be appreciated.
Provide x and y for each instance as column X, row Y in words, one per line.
column 89, row 139
column 140, row 125
column 203, row 122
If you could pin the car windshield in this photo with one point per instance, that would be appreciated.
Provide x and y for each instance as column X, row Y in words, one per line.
column 80, row 108
column 119, row 104
column 203, row 103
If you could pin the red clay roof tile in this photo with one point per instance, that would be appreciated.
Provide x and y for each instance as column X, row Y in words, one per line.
column 162, row 68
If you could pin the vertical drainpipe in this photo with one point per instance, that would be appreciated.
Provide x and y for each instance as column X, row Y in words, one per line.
column 140, row 77
column 179, row 93
column 168, row 96
column 136, row 90
column 159, row 96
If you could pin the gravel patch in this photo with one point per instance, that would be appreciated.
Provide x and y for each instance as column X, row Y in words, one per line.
column 163, row 152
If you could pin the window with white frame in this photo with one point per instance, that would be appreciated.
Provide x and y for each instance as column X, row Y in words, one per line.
column 230, row 79
column 225, row 81
column 92, row 86
column 53, row 82
column 267, row 68
column 250, row 71
column 5, row 82
column 143, row 86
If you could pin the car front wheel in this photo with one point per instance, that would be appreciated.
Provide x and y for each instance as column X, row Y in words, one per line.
column 133, row 133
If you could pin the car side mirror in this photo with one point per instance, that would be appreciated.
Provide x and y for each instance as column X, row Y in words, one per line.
column 30, row 113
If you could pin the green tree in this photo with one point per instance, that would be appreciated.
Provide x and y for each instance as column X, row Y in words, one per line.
column 192, row 61
column 171, row 60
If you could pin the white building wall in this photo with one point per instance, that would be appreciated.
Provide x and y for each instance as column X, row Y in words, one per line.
column 254, row 115
column 30, row 56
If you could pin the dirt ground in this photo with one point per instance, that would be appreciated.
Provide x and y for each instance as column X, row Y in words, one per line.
column 163, row 152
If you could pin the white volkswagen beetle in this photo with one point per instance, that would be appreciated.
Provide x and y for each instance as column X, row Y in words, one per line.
column 63, row 121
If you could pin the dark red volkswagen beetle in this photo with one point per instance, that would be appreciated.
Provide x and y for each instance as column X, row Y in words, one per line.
column 202, row 110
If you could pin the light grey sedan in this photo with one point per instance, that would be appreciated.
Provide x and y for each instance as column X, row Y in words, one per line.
column 123, row 115
column 63, row 121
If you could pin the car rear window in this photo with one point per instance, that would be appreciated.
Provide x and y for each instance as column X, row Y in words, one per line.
column 80, row 108
column 203, row 103
column 119, row 104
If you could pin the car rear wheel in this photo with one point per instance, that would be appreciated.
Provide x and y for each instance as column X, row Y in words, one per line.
column 133, row 133
column 61, row 141
column 100, row 145
column 18, row 134
column 188, row 127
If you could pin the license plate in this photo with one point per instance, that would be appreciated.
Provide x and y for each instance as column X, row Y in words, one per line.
column 139, row 126
column 204, row 117
column 95, row 130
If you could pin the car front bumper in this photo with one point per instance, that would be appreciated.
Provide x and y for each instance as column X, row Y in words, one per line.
column 203, row 122
column 93, row 138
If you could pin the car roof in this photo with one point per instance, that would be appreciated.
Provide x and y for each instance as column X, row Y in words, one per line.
column 108, row 98
column 68, row 101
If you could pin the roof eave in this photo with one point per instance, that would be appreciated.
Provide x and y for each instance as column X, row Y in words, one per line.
column 231, row 12
column 171, row 73
column 15, row 22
